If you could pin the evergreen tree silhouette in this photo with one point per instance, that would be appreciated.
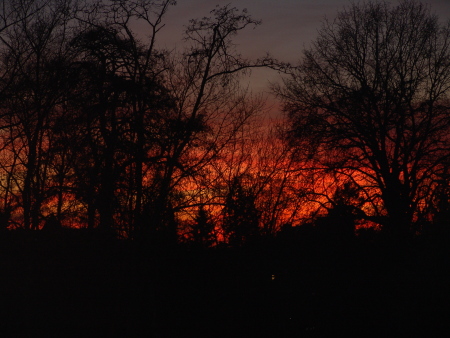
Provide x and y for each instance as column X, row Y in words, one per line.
column 241, row 217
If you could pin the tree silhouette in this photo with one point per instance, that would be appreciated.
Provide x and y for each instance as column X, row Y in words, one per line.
column 203, row 234
column 103, row 129
column 369, row 98
column 121, row 116
column 34, row 83
column 344, row 211
column 240, row 215
column 139, row 68
column 439, row 220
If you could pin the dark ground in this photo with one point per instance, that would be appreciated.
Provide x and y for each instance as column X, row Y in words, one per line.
column 75, row 284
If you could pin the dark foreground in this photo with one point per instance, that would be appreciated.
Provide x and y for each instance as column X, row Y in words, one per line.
column 78, row 284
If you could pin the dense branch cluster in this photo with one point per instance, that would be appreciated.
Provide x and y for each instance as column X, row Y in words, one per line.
column 372, row 95
column 100, row 128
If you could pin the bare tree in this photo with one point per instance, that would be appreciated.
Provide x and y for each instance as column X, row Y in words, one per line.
column 97, row 120
column 33, row 50
column 210, row 106
column 370, row 97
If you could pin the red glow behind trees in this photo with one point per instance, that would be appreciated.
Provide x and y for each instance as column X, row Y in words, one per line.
column 370, row 98
column 94, row 114
column 105, row 130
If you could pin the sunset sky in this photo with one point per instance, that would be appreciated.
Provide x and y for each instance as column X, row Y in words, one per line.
column 287, row 27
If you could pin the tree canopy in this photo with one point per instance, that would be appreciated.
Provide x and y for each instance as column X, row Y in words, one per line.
column 102, row 128
column 369, row 99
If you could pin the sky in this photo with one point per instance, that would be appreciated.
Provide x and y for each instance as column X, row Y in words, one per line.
column 288, row 26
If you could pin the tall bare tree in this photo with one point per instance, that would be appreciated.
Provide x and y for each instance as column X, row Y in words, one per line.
column 34, row 80
column 371, row 98
column 210, row 106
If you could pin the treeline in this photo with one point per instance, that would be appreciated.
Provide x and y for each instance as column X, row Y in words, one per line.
column 100, row 128
column 368, row 103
